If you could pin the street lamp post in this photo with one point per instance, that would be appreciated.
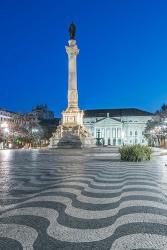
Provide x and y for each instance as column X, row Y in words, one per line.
column 5, row 129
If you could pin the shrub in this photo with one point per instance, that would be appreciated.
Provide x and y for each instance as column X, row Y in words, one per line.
column 135, row 153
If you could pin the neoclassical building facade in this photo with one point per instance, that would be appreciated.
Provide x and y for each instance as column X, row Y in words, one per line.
column 117, row 126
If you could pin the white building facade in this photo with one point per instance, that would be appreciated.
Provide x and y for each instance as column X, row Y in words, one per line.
column 6, row 116
column 117, row 127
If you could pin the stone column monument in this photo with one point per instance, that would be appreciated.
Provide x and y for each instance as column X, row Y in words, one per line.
column 72, row 52
column 72, row 133
column 73, row 115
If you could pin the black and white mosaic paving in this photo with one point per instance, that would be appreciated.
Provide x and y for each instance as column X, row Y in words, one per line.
column 68, row 199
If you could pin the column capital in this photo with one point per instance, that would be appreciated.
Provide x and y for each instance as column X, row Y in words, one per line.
column 72, row 49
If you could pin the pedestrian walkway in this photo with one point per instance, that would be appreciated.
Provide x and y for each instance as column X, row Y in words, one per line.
column 81, row 199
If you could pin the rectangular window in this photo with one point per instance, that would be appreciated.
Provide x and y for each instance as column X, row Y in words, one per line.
column 108, row 132
column 102, row 133
column 118, row 132
column 119, row 141
column 114, row 132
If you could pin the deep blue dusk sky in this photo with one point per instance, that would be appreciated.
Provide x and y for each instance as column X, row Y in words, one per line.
column 122, row 60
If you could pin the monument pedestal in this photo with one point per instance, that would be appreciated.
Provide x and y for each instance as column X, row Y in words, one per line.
column 71, row 137
column 72, row 133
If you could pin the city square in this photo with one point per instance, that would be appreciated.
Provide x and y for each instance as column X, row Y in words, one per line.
column 83, row 125
column 82, row 199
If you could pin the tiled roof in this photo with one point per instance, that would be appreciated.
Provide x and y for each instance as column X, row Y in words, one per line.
column 116, row 112
column 6, row 110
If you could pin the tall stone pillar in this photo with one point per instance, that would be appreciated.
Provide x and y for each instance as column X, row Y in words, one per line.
column 72, row 116
column 72, row 133
column 72, row 51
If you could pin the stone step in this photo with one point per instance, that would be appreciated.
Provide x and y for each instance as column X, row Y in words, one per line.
column 71, row 141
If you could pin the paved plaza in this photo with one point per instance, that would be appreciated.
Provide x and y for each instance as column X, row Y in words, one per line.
column 81, row 199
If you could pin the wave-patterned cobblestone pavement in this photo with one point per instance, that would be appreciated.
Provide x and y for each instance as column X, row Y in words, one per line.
column 72, row 199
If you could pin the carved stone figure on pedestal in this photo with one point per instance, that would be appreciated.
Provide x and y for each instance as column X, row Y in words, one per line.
column 72, row 30
column 71, row 132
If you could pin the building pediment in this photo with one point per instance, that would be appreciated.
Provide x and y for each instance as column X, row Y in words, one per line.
column 108, row 122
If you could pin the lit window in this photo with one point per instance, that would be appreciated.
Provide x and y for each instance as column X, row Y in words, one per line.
column 118, row 132
column 114, row 132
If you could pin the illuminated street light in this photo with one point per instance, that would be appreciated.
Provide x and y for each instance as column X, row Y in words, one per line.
column 35, row 130
column 6, row 130
column 4, row 125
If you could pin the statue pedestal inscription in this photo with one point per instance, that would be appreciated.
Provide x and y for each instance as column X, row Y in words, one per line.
column 72, row 133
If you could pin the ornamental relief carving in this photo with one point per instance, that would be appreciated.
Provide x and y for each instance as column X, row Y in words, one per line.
column 72, row 51
column 72, row 95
